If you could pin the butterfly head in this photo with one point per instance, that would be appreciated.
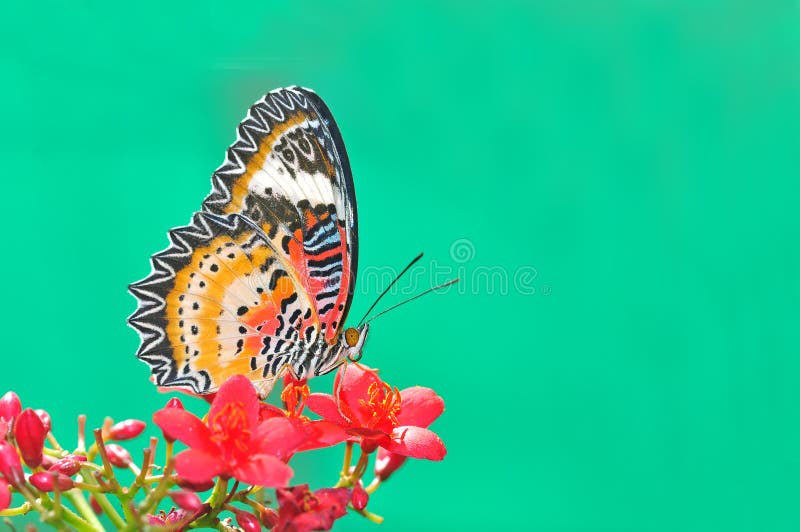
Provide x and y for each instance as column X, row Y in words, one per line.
column 354, row 338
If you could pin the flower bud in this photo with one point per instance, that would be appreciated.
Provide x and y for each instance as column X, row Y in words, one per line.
column 194, row 486
column 5, row 495
column 359, row 498
column 126, row 430
column 174, row 403
column 66, row 466
column 46, row 421
column 10, row 466
column 247, row 522
column 47, row 481
column 268, row 517
column 387, row 463
column 186, row 500
column 96, row 508
column 30, row 434
column 48, row 461
column 10, row 407
column 118, row 456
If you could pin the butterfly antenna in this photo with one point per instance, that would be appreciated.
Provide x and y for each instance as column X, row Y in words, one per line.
column 397, row 278
column 410, row 299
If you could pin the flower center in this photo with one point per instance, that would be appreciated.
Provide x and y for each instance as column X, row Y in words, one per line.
column 229, row 427
column 294, row 396
column 384, row 403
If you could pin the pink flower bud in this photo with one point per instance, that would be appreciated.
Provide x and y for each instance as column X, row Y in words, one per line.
column 174, row 403
column 98, row 510
column 186, row 500
column 247, row 522
column 5, row 495
column 45, row 417
column 126, row 430
column 10, row 407
column 66, row 466
column 48, row 461
column 78, row 457
column 387, row 463
column 10, row 466
column 195, row 486
column 359, row 497
column 30, row 434
column 268, row 517
column 118, row 456
column 47, row 481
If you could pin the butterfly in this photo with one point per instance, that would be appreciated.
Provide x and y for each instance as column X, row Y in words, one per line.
column 261, row 280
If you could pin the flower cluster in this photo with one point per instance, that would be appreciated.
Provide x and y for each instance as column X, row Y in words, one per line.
column 238, row 450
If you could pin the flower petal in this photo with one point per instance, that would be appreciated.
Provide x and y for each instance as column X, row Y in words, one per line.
column 237, row 389
column 181, row 425
column 198, row 466
column 324, row 405
column 266, row 411
column 278, row 436
column 322, row 434
column 419, row 406
column 353, row 382
column 264, row 470
column 416, row 442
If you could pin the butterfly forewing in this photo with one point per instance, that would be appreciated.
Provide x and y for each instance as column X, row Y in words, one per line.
column 261, row 280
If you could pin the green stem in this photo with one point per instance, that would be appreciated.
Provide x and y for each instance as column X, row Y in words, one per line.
column 84, row 508
column 19, row 510
column 110, row 511
column 375, row 518
column 344, row 475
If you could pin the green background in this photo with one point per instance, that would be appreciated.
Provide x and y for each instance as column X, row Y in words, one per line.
column 640, row 157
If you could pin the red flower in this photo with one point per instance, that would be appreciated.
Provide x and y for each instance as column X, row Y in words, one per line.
column 303, row 511
column 48, row 481
column 234, row 443
column 126, row 430
column 10, row 466
column 10, row 408
column 163, row 518
column 29, row 432
column 5, row 495
column 377, row 415
column 319, row 433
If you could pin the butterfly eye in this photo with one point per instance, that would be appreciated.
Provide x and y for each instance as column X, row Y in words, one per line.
column 351, row 336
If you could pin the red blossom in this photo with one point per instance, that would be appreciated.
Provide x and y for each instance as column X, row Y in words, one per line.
column 10, row 408
column 163, row 518
column 48, row 481
column 66, row 466
column 247, row 521
column 30, row 433
column 303, row 511
column 234, row 442
column 195, row 486
column 186, row 500
column 5, row 495
column 359, row 498
column 118, row 456
column 10, row 466
column 377, row 415
column 47, row 423
column 126, row 430
column 319, row 433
